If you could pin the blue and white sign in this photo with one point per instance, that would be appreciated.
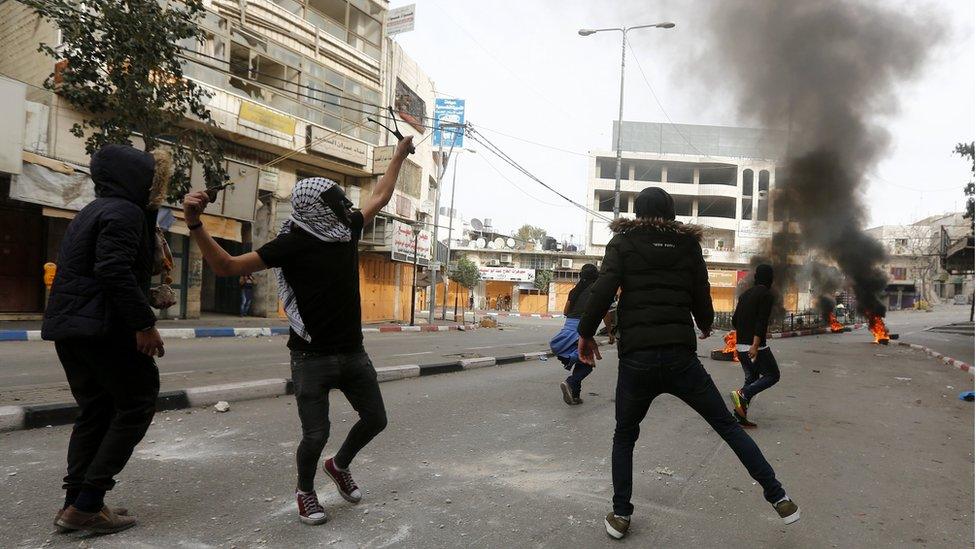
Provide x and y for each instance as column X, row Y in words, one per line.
column 448, row 112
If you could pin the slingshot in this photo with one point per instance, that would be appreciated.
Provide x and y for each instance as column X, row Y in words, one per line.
column 395, row 130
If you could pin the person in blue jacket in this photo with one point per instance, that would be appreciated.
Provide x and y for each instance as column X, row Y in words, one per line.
column 565, row 343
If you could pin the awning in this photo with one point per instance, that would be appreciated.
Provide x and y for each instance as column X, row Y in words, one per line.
column 218, row 227
column 53, row 183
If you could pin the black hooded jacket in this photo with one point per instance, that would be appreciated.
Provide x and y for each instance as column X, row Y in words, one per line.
column 751, row 316
column 106, row 256
column 657, row 264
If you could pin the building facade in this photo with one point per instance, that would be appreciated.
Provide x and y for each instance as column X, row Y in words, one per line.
column 722, row 178
column 915, row 268
column 293, row 82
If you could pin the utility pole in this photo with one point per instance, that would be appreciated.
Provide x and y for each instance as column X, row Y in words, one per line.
column 620, row 126
column 432, row 289
column 413, row 285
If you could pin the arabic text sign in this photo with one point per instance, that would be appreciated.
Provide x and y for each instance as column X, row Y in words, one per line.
column 512, row 274
column 339, row 146
column 401, row 19
column 448, row 111
column 403, row 243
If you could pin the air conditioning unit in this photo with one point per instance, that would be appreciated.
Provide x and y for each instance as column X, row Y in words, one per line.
column 763, row 195
column 566, row 263
column 705, row 252
column 493, row 263
column 506, row 258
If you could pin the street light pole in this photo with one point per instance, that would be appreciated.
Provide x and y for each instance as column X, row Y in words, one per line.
column 413, row 286
column 620, row 125
column 620, row 113
column 450, row 230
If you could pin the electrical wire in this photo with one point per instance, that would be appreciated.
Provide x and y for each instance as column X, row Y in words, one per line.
column 512, row 183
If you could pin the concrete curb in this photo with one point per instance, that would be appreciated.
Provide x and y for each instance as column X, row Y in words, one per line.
column 519, row 315
column 948, row 361
column 196, row 333
column 15, row 418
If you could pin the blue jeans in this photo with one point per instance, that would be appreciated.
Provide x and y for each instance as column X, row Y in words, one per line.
column 647, row 373
column 577, row 374
column 247, row 297
column 760, row 375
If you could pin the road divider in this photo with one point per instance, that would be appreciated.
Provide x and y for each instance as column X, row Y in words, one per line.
column 948, row 361
column 197, row 333
column 13, row 418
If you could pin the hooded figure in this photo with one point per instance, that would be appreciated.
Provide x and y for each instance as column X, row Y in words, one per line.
column 764, row 275
column 564, row 344
column 100, row 320
column 106, row 257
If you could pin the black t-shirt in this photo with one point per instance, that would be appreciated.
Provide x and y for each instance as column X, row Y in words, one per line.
column 325, row 279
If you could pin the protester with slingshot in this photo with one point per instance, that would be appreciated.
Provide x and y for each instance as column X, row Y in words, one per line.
column 316, row 254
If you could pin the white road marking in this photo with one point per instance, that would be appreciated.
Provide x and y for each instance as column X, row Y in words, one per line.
column 414, row 354
column 161, row 374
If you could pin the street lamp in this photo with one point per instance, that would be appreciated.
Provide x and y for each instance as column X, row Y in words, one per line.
column 415, row 228
column 450, row 230
column 620, row 116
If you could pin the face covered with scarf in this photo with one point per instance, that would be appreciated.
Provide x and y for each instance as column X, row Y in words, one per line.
column 321, row 209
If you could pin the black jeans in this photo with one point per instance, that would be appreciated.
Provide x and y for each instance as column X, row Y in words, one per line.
column 577, row 374
column 115, row 387
column 760, row 375
column 314, row 375
column 675, row 370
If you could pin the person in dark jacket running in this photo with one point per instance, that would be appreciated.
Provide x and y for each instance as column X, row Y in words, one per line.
column 657, row 264
column 104, row 330
column 565, row 344
column 316, row 254
column 751, row 322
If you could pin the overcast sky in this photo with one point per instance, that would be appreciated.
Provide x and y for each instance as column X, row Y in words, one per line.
column 526, row 75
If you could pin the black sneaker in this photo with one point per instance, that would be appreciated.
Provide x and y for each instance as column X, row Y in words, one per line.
column 567, row 393
column 616, row 526
column 788, row 511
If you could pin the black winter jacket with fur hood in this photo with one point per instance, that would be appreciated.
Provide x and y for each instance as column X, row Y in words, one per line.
column 658, row 266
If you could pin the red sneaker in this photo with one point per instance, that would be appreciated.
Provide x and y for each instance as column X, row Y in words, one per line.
column 343, row 481
column 310, row 511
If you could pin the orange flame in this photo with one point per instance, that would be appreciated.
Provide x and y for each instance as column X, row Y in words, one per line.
column 730, row 345
column 835, row 327
column 878, row 328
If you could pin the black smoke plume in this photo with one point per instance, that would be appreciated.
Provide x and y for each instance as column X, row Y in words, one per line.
column 826, row 70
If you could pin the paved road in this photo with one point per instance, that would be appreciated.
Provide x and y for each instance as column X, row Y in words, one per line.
column 912, row 326
column 870, row 441
column 30, row 372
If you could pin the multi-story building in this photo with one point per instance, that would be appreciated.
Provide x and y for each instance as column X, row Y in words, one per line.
column 289, row 77
column 722, row 178
column 914, row 266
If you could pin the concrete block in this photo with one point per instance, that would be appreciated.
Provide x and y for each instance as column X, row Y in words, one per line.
column 211, row 394
column 11, row 418
column 480, row 362
column 178, row 333
column 391, row 373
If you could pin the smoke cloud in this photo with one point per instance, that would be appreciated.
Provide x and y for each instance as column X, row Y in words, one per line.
column 827, row 71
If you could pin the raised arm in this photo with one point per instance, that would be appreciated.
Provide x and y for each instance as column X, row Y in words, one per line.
column 383, row 191
column 221, row 262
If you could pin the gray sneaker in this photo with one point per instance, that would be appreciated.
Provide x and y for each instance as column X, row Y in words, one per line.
column 616, row 526
column 788, row 511
column 567, row 393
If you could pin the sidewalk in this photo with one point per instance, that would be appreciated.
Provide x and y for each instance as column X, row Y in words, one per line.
column 226, row 326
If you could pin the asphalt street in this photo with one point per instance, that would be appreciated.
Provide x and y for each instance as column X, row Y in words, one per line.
column 914, row 327
column 872, row 442
column 31, row 374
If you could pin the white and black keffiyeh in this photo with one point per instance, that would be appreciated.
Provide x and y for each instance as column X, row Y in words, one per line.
column 311, row 214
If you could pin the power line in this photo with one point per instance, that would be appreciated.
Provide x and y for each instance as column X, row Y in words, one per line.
column 512, row 183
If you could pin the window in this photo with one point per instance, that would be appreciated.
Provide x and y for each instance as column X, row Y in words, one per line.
column 716, row 175
column 606, row 201
column 747, row 208
column 901, row 242
column 535, row 261
column 680, row 174
column 716, row 206
column 647, row 171
column 606, row 168
column 762, row 205
column 335, row 9
column 683, row 205
column 747, row 176
column 764, row 180
column 899, row 273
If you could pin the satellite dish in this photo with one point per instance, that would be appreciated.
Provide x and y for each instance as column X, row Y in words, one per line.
column 476, row 224
column 491, row 245
column 499, row 242
column 480, row 243
column 510, row 242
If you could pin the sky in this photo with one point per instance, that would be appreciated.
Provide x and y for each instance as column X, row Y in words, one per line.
column 547, row 96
